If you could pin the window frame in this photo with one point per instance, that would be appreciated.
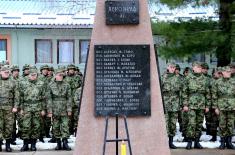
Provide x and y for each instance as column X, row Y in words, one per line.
column 58, row 49
column 5, row 47
column 36, row 52
column 80, row 54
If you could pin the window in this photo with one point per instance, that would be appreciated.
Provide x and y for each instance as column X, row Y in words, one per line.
column 84, row 47
column 43, row 51
column 65, row 51
column 3, row 50
column 197, row 57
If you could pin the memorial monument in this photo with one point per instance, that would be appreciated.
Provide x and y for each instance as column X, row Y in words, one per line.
column 122, row 78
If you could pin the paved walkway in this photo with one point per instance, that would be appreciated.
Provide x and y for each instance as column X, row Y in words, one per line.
column 173, row 152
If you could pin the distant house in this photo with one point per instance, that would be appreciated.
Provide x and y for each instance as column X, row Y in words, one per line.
column 57, row 32
column 54, row 32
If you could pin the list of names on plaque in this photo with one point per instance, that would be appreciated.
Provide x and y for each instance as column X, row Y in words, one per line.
column 122, row 80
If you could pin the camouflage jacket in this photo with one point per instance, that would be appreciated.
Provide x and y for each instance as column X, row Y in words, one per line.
column 59, row 98
column 32, row 95
column 171, row 86
column 9, row 93
column 223, row 93
column 74, row 82
column 77, row 97
column 196, row 91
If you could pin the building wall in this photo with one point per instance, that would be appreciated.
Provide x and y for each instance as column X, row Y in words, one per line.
column 22, row 43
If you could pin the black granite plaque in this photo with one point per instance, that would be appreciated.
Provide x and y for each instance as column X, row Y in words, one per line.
column 122, row 12
column 122, row 80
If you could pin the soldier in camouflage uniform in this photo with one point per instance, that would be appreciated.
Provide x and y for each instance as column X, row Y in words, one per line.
column 46, row 122
column 60, row 108
column 224, row 95
column 171, row 86
column 50, row 73
column 75, row 82
column 32, row 105
column 77, row 99
column 9, row 95
column 15, row 70
column 196, row 95
column 25, row 71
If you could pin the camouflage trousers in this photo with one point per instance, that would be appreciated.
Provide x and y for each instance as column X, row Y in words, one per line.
column 61, row 126
column 226, row 120
column 45, row 125
column 31, row 122
column 73, row 121
column 6, row 123
column 212, row 122
column 171, row 119
column 195, row 123
column 184, row 122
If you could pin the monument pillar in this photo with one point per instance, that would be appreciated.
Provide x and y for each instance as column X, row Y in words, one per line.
column 147, row 133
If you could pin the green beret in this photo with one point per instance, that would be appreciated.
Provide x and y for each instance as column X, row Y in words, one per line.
column 196, row 63
column 71, row 66
column 26, row 66
column 15, row 67
column 44, row 67
column 205, row 65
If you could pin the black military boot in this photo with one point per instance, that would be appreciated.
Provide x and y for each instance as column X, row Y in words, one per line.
column 222, row 143
column 171, row 145
column 214, row 138
column 25, row 146
column 229, row 143
column 189, row 145
column 58, row 147
column 52, row 140
column 197, row 145
column 13, row 138
column 0, row 145
column 8, row 144
column 33, row 145
column 65, row 144
column 41, row 139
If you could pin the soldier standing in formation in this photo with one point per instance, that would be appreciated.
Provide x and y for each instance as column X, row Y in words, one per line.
column 60, row 108
column 9, row 95
column 171, row 86
column 32, row 107
column 196, row 96
column 75, row 82
column 224, row 95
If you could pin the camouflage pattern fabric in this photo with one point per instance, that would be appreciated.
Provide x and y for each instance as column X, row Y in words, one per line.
column 32, row 103
column 171, row 86
column 59, row 104
column 196, row 95
column 9, row 96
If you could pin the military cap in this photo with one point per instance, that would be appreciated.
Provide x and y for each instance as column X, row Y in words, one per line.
column 5, row 68
column 51, row 68
column 171, row 64
column 205, row 65
column 71, row 66
column 59, row 70
column 219, row 69
column 33, row 70
column 15, row 67
column 196, row 63
column 177, row 66
column 44, row 67
column 26, row 66
column 225, row 68
column 232, row 65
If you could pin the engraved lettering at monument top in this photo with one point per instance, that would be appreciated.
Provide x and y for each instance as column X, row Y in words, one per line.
column 122, row 80
column 122, row 12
